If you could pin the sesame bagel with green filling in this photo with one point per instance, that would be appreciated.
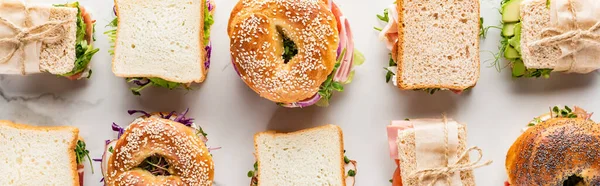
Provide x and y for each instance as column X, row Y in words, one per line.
column 185, row 158
column 293, row 52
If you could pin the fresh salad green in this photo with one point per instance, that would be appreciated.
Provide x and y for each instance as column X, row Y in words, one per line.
column 329, row 86
column 81, row 153
column 83, row 50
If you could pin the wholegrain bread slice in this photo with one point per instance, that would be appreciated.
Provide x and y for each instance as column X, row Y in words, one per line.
column 160, row 38
column 308, row 157
column 59, row 57
column 438, row 44
column 31, row 155
column 535, row 17
column 407, row 156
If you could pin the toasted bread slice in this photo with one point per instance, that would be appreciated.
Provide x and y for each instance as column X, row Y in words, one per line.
column 160, row 38
column 535, row 16
column 438, row 44
column 308, row 157
column 408, row 157
column 31, row 155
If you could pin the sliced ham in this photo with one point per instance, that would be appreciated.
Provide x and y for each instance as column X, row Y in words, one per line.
column 389, row 33
column 80, row 171
column 392, row 132
column 346, row 42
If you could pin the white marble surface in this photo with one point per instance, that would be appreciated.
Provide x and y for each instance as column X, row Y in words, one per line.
column 231, row 113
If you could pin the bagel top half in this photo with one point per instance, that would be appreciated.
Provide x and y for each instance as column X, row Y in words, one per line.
column 189, row 159
column 257, row 46
column 551, row 152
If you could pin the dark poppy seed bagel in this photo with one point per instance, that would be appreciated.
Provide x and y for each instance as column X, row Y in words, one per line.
column 551, row 152
column 257, row 46
column 189, row 161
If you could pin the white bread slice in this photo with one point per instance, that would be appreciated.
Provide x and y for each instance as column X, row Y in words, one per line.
column 160, row 38
column 308, row 157
column 535, row 16
column 438, row 44
column 59, row 57
column 31, row 155
column 407, row 156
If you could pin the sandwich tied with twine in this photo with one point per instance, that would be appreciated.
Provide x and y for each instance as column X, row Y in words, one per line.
column 575, row 28
column 49, row 32
column 443, row 174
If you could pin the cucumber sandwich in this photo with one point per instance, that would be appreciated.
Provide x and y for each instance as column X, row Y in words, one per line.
column 523, row 22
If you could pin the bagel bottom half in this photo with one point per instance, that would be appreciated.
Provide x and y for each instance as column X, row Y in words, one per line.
column 189, row 160
column 559, row 151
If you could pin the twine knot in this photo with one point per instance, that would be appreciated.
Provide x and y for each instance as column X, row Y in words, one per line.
column 44, row 33
column 445, row 172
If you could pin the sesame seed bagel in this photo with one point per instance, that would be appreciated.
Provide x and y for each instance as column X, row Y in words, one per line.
column 189, row 159
column 257, row 46
column 550, row 152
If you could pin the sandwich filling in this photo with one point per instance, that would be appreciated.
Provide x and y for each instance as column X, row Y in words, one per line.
column 155, row 164
column 349, row 169
column 143, row 82
column 558, row 112
column 84, row 49
column 80, row 155
column 390, row 35
column 343, row 73
column 511, row 41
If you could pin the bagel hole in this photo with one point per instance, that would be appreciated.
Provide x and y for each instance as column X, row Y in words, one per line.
column 157, row 165
column 289, row 47
column 574, row 180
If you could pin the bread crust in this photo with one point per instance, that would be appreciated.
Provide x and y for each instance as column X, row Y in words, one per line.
column 256, row 53
column 275, row 133
column 201, row 48
column 550, row 152
column 72, row 147
column 189, row 159
column 400, row 54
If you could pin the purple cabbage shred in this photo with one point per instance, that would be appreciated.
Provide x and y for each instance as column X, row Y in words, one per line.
column 131, row 112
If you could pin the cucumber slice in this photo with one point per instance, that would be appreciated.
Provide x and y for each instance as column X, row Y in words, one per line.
column 511, row 11
column 511, row 53
column 518, row 68
column 508, row 30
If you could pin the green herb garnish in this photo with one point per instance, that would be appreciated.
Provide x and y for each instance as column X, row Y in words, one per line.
column 327, row 88
column 253, row 174
column 351, row 173
column 83, row 50
column 157, row 165
column 289, row 47
column 81, row 153
column 565, row 112
column 385, row 17
column 112, row 34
